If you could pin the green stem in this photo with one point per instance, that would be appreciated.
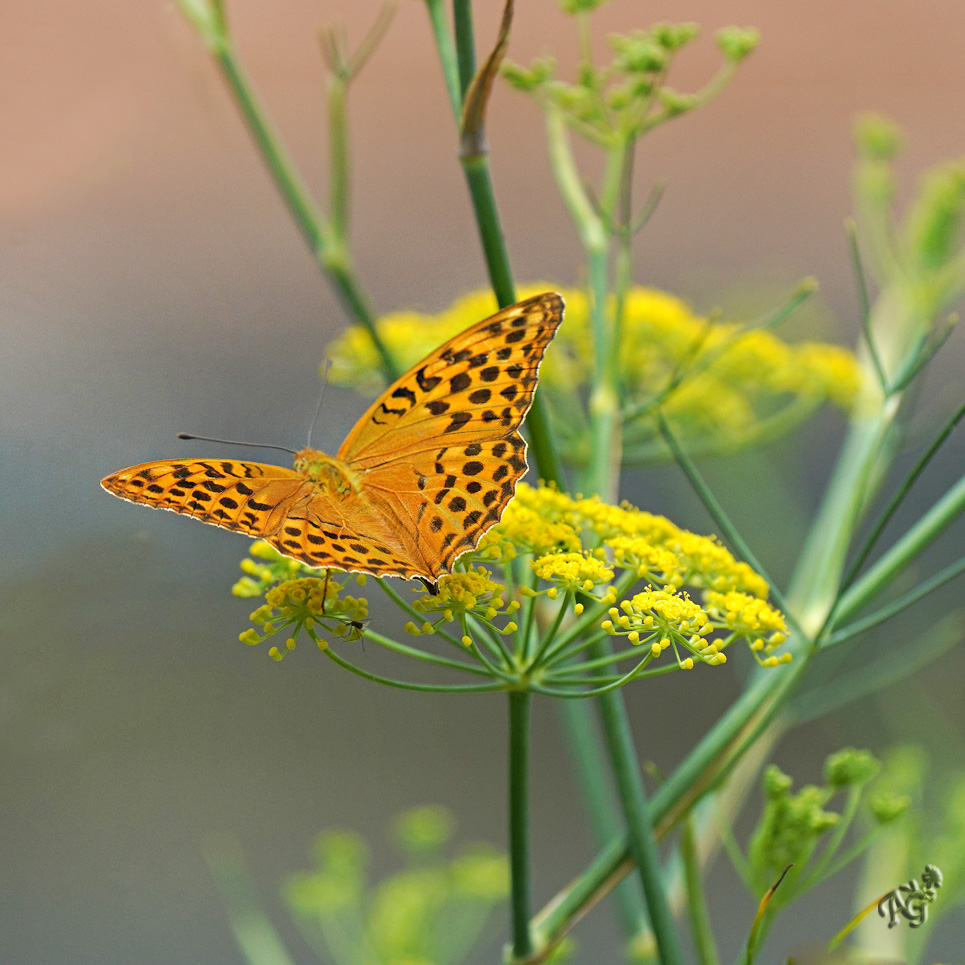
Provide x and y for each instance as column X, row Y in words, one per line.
column 640, row 830
column 591, row 230
column 901, row 493
column 590, row 618
column 465, row 43
column 476, row 170
column 519, row 714
column 447, row 54
column 700, row 924
column 547, row 459
column 729, row 531
column 416, row 654
column 833, row 844
column 550, row 635
column 575, row 669
column 339, row 189
column 609, row 687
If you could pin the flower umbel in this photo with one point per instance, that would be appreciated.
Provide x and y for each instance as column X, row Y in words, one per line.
column 555, row 578
column 303, row 604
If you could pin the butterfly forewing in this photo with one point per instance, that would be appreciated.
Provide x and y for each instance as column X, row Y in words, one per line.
column 475, row 388
column 248, row 497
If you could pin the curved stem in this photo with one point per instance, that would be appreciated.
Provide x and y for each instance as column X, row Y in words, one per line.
column 389, row 644
column 406, row 685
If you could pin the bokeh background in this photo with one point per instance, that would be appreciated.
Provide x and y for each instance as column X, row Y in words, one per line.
column 153, row 283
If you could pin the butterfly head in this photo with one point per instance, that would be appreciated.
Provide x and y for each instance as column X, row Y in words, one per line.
column 328, row 473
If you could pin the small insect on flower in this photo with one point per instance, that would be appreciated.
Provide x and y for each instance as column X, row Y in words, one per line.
column 423, row 475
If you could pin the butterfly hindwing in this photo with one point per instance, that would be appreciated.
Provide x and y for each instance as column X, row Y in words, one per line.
column 463, row 494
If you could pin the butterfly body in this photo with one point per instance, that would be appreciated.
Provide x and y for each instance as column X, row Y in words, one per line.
column 329, row 474
column 425, row 472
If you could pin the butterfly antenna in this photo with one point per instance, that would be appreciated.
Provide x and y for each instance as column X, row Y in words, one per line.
column 234, row 442
column 326, row 365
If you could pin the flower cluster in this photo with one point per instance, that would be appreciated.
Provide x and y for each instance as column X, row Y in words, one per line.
column 641, row 546
column 406, row 916
column 793, row 826
column 730, row 386
column 470, row 591
column 303, row 604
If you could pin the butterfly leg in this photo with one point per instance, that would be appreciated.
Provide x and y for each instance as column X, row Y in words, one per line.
column 433, row 588
column 325, row 591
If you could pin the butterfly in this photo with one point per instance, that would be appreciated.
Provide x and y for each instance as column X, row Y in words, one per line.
column 423, row 474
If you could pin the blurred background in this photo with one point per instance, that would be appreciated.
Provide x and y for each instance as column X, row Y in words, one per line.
column 154, row 283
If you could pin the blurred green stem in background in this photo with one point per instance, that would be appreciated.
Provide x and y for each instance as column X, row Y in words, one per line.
column 326, row 236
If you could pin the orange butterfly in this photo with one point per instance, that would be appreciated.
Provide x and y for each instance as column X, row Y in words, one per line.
column 425, row 472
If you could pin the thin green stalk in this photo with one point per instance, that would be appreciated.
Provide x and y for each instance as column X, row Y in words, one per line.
column 849, row 812
column 339, row 189
column 861, row 280
column 577, row 668
column 610, row 685
column 902, row 603
column 591, row 230
column 599, row 879
column 696, row 360
column 566, row 656
column 478, row 179
column 603, row 685
column 494, row 637
column 416, row 654
column 257, row 939
column 447, row 53
column 900, row 494
column 640, row 831
column 498, row 654
column 864, row 458
column 652, row 453
column 550, row 634
column 846, row 857
column 519, row 858
column 465, row 43
column 591, row 615
column 905, row 551
column 700, row 924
